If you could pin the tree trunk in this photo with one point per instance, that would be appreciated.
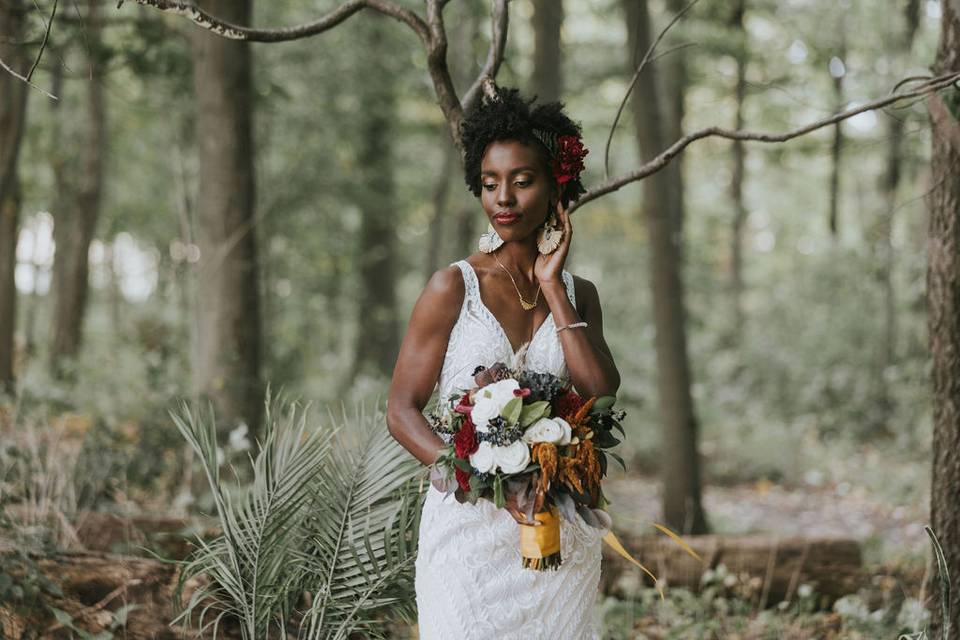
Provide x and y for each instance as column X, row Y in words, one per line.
column 943, row 302
column 680, row 471
column 837, row 146
column 881, row 240
column 547, row 80
column 13, row 106
column 74, row 225
column 736, row 179
column 378, row 338
column 674, row 89
column 229, row 323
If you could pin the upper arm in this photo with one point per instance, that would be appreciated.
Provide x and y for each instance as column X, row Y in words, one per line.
column 588, row 305
column 424, row 344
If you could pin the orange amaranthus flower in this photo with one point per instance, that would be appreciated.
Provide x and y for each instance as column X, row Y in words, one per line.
column 545, row 454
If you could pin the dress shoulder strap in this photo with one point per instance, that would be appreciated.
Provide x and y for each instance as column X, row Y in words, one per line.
column 568, row 283
column 470, row 283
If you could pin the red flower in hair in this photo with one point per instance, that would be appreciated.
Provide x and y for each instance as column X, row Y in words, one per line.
column 569, row 161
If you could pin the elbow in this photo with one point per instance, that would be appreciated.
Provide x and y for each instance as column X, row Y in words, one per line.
column 394, row 421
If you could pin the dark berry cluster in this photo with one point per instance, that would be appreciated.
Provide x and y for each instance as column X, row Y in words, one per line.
column 500, row 434
column 543, row 386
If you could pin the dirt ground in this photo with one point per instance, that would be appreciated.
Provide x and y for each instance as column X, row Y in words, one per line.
column 889, row 533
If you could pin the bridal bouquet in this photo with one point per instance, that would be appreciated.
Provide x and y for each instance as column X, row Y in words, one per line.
column 532, row 445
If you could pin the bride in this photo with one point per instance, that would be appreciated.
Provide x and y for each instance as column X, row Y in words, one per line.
column 512, row 300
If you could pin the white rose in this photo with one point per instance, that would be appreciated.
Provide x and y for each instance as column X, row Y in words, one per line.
column 513, row 458
column 482, row 459
column 490, row 401
column 553, row 430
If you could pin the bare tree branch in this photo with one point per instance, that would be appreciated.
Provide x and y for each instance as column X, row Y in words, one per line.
column 283, row 34
column 633, row 81
column 927, row 87
column 431, row 33
column 24, row 79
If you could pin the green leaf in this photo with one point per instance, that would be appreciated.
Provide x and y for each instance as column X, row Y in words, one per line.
column 533, row 412
column 603, row 403
column 498, row 498
column 62, row 616
column 617, row 458
column 511, row 410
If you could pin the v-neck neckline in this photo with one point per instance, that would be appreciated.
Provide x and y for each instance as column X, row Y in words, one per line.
column 503, row 332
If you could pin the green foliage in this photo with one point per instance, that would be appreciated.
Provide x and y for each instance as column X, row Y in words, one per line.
column 118, row 622
column 331, row 511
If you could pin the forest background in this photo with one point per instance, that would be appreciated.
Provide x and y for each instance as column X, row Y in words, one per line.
column 803, row 263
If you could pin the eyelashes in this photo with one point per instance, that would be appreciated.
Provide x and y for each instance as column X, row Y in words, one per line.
column 521, row 183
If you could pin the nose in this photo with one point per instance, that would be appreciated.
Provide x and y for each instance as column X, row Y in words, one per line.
column 505, row 194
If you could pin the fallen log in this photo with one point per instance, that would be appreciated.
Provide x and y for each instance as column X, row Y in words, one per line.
column 761, row 568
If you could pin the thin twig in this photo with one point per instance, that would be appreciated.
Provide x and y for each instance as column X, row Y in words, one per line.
column 46, row 36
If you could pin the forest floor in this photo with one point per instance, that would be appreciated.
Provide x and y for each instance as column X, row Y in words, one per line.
column 895, row 548
column 889, row 532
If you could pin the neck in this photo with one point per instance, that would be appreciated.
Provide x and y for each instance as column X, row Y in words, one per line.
column 519, row 256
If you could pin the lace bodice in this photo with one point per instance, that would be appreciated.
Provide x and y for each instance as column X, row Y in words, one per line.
column 470, row 584
column 477, row 338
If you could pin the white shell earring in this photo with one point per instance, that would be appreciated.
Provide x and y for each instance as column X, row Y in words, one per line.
column 489, row 241
column 549, row 235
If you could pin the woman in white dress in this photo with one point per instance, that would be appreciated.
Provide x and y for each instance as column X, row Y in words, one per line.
column 515, row 292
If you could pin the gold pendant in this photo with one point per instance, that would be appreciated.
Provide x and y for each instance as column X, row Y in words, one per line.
column 526, row 305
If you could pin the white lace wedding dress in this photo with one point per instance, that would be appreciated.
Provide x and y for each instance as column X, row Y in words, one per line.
column 469, row 580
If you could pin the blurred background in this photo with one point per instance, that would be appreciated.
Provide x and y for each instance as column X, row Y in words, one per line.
column 194, row 223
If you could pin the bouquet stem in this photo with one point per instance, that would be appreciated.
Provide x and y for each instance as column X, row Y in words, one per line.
column 540, row 544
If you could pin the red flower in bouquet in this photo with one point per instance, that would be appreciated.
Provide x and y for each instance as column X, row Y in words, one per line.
column 569, row 161
column 463, row 478
column 568, row 404
column 465, row 440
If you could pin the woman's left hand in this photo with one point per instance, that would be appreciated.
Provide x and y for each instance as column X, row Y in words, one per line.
column 548, row 267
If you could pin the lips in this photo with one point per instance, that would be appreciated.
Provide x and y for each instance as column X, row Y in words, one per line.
column 506, row 217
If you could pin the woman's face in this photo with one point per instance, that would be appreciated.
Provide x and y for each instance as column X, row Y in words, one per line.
column 515, row 188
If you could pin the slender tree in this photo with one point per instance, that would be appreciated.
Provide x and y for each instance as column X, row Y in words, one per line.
column 680, row 463
column 228, row 306
column 76, row 211
column 943, row 302
column 737, row 12
column 378, row 329
column 13, row 109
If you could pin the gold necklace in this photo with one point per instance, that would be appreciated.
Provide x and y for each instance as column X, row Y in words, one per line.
column 527, row 306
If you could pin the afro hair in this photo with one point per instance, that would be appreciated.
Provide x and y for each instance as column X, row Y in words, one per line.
column 512, row 117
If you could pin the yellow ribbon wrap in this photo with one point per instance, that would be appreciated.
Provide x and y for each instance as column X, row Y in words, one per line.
column 540, row 545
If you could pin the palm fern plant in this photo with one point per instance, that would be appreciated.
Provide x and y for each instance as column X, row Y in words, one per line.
column 329, row 516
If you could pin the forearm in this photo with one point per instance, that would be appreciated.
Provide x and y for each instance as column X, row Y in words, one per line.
column 592, row 371
column 410, row 428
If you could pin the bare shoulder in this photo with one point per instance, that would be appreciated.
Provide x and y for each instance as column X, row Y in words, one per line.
column 442, row 297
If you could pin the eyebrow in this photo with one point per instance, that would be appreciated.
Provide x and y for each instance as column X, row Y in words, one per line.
column 516, row 170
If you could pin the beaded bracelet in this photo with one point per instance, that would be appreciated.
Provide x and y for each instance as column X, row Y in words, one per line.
column 571, row 326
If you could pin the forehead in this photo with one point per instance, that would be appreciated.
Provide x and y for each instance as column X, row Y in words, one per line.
column 505, row 156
